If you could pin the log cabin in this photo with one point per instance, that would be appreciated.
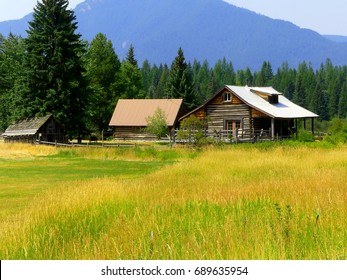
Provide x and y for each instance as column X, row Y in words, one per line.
column 130, row 116
column 251, row 114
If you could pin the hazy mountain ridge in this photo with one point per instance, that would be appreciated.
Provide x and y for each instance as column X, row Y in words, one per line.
column 336, row 38
column 205, row 29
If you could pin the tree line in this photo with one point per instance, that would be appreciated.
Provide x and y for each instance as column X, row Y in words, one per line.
column 53, row 71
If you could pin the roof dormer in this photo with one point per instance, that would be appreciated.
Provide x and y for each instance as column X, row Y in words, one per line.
column 267, row 93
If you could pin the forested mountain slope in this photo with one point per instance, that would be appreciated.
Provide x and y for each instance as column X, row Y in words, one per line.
column 205, row 29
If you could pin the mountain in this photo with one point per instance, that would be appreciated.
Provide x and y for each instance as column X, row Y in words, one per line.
column 337, row 38
column 205, row 29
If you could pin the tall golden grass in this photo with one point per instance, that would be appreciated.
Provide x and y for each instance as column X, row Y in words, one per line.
column 21, row 150
column 233, row 203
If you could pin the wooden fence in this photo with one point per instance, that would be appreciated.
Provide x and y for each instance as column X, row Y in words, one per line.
column 91, row 145
column 228, row 136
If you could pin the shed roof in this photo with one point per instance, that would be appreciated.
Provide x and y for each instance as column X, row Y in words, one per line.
column 284, row 109
column 26, row 127
column 134, row 112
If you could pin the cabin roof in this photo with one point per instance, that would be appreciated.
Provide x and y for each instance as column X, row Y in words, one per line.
column 28, row 126
column 265, row 90
column 284, row 109
column 134, row 112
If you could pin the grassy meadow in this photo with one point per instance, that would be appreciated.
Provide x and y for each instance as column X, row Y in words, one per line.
column 266, row 201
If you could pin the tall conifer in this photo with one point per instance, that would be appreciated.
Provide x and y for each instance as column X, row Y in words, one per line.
column 102, row 68
column 56, row 82
column 180, row 84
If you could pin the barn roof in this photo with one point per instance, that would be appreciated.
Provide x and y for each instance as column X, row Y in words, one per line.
column 26, row 127
column 134, row 112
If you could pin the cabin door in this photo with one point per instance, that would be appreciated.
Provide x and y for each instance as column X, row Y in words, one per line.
column 232, row 126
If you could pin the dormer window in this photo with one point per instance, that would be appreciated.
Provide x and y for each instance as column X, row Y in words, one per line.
column 227, row 97
column 267, row 93
column 273, row 99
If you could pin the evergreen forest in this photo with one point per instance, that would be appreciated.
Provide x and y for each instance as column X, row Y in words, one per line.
column 53, row 71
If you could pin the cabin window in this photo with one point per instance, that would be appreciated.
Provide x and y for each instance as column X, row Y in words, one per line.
column 227, row 97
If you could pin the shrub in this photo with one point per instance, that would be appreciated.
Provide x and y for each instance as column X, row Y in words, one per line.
column 337, row 131
column 192, row 130
column 157, row 124
column 305, row 136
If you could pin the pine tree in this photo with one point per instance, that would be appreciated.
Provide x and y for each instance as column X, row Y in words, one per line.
column 12, row 74
column 342, row 113
column 154, row 81
column 248, row 77
column 305, row 84
column 160, row 91
column 335, row 89
column 224, row 73
column 56, row 82
column 102, row 67
column 180, row 83
column 202, row 83
column 129, row 82
column 284, row 80
column 131, row 56
column 146, row 76
column 265, row 76
column 319, row 103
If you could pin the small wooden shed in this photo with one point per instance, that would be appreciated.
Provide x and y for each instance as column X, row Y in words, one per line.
column 34, row 129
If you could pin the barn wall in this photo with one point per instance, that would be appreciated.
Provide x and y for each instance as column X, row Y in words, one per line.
column 131, row 133
column 21, row 139
column 52, row 131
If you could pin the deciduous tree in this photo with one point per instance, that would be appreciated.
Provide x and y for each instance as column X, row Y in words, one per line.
column 157, row 124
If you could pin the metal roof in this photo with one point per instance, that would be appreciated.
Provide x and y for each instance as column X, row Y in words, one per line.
column 284, row 109
column 134, row 112
column 26, row 127
column 265, row 90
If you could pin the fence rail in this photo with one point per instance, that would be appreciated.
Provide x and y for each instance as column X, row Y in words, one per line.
column 185, row 136
column 238, row 135
column 96, row 145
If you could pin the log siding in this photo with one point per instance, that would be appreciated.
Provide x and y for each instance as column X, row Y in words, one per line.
column 217, row 115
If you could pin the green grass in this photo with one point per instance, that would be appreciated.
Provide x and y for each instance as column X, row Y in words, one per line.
column 263, row 201
column 21, row 180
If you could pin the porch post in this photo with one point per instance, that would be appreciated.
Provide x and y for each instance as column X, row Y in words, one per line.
column 312, row 126
column 304, row 124
column 296, row 128
column 272, row 128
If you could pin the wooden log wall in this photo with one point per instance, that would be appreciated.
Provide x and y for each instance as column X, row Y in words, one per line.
column 131, row 133
column 218, row 114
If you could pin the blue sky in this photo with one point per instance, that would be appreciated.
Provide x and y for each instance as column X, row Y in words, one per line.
column 325, row 17
column 16, row 9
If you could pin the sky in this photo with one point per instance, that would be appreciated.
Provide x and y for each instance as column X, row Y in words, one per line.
column 323, row 16
column 16, row 9
column 327, row 17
